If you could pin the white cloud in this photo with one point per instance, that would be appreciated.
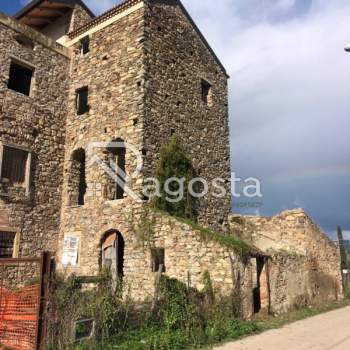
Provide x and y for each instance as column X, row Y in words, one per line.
column 289, row 97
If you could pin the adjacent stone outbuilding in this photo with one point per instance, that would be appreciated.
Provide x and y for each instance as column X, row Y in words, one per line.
column 303, row 265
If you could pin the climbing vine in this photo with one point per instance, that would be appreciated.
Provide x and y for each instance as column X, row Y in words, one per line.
column 143, row 226
column 174, row 163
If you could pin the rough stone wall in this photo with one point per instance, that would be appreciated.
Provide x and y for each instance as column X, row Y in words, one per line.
column 187, row 257
column 304, row 266
column 124, row 80
column 111, row 70
column 79, row 18
column 37, row 123
column 15, row 276
column 176, row 62
column 296, row 281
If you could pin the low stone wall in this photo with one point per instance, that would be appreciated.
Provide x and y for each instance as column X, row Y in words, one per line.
column 304, row 264
column 187, row 257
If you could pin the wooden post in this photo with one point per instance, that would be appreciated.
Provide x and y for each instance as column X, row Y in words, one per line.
column 45, row 270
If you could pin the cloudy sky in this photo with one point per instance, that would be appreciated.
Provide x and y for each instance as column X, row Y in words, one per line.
column 289, row 98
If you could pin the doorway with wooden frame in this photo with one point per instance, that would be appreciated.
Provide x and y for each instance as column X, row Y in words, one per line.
column 113, row 246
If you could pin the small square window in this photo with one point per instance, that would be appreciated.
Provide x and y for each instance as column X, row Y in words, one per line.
column 7, row 244
column 14, row 165
column 85, row 45
column 82, row 100
column 158, row 259
column 84, row 329
column 207, row 93
column 25, row 41
column 20, row 78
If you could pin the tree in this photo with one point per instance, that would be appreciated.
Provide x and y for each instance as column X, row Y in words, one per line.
column 343, row 255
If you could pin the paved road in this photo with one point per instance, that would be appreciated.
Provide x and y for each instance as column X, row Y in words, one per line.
column 330, row 331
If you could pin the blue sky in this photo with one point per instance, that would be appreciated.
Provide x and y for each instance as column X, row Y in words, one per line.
column 289, row 97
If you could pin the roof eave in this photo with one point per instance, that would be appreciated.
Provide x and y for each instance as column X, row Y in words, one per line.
column 35, row 3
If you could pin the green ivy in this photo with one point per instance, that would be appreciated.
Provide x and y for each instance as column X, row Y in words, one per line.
column 174, row 162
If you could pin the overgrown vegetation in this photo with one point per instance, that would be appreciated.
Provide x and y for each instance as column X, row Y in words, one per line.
column 70, row 302
column 143, row 227
column 343, row 255
column 179, row 318
column 227, row 240
column 347, row 291
column 174, row 163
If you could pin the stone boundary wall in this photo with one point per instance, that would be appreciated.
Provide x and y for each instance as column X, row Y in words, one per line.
column 304, row 262
column 188, row 256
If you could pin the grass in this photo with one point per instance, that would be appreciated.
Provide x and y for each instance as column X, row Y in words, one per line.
column 218, row 332
column 163, row 339
column 267, row 322
column 347, row 291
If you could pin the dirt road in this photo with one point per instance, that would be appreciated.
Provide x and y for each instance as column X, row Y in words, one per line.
column 330, row 331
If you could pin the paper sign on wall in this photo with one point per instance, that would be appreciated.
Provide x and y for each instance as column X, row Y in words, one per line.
column 70, row 250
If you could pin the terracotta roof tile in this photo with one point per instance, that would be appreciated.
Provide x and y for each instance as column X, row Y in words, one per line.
column 105, row 16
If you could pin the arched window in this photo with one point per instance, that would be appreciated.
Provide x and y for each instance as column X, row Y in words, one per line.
column 113, row 246
column 116, row 158
column 77, row 178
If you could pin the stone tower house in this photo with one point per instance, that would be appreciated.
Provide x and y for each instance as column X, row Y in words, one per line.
column 145, row 81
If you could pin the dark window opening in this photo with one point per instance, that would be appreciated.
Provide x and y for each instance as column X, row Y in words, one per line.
column 78, row 184
column 14, row 165
column 7, row 243
column 116, row 157
column 24, row 41
column 207, row 95
column 82, row 100
column 85, row 45
column 84, row 329
column 260, row 263
column 158, row 259
column 20, row 78
column 35, row 133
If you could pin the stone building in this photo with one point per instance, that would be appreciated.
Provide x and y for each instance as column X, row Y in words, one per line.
column 81, row 96
column 303, row 265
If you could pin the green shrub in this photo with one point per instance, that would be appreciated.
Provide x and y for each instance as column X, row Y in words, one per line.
column 347, row 291
column 174, row 162
column 180, row 318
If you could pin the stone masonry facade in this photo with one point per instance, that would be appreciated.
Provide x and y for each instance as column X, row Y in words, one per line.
column 304, row 264
column 37, row 124
column 136, row 75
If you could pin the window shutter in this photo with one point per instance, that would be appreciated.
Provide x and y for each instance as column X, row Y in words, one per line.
column 14, row 164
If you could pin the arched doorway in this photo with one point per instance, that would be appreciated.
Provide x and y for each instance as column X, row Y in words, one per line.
column 113, row 246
